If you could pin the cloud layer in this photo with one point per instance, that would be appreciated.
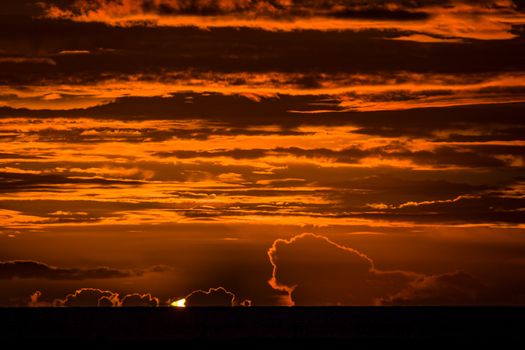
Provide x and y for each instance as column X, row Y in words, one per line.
column 437, row 19
column 141, row 134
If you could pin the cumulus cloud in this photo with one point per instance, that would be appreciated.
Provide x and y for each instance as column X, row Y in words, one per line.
column 313, row 270
column 94, row 297
column 141, row 300
column 34, row 269
column 89, row 297
column 219, row 296
column 34, row 300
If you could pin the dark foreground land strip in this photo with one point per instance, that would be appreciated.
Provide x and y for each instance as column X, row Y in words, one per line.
column 419, row 325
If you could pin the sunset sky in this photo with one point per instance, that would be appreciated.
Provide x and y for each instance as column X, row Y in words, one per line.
column 262, row 152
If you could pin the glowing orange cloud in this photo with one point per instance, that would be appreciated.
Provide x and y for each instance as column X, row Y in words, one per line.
column 363, row 92
column 454, row 21
column 34, row 300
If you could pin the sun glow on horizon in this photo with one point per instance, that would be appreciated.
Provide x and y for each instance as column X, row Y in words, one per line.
column 179, row 303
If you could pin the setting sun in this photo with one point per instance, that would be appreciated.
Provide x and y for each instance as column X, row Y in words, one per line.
column 179, row 303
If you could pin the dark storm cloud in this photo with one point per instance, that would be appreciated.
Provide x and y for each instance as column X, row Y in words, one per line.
column 34, row 269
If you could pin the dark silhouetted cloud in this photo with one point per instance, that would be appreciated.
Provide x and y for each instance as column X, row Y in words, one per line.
column 313, row 270
column 94, row 297
column 455, row 288
column 89, row 297
column 13, row 182
column 219, row 296
column 139, row 300
column 34, row 269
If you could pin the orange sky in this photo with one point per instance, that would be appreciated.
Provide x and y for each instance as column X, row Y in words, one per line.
column 241, row 153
